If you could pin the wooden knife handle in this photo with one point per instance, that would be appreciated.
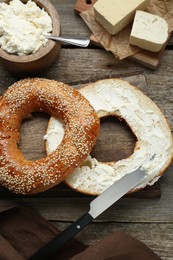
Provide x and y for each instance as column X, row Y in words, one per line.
column 51, row 247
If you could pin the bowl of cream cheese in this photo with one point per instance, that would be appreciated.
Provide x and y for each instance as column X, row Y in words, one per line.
column 23, row 26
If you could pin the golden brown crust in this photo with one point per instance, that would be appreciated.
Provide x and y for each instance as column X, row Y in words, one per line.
column 61, row 101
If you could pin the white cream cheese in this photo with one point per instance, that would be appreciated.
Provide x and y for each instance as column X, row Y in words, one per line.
column 117, row 97
column 22, row 27
column 55, row 135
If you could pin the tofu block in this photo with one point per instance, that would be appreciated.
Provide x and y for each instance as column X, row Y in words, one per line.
column 115, row 15
column 149, row 31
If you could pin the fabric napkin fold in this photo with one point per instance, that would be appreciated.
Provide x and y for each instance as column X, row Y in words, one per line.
column 117, row 246
column 23, row 231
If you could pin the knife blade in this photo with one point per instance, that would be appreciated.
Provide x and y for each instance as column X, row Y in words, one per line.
column 78, row 41
column 97, row 206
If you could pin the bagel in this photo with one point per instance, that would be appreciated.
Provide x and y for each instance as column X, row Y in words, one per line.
column 81, row 125
column 120, row 99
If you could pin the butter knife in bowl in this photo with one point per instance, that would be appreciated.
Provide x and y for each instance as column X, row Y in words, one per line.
column 77, row 41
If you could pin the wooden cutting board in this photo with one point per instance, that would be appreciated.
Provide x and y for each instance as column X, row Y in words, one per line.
column 147, row 58
column 115, row 142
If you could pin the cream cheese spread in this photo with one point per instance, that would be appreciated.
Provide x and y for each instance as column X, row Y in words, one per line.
column 154, row 146
column 55, row 134
column 23, row 26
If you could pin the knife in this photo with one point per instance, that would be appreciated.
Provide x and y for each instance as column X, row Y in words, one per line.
column 97, row 206
column 78, row 41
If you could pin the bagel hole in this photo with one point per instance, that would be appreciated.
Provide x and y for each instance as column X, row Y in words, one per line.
column 116, row 141
column 32, row 131
column 88, row 2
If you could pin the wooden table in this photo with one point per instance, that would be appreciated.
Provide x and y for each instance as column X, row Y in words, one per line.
column 145, row 215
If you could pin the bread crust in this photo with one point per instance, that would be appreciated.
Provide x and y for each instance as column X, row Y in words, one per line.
column 148, row 124
column 81, row 125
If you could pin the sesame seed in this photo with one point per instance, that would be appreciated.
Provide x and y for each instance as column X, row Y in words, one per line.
column 61, row 101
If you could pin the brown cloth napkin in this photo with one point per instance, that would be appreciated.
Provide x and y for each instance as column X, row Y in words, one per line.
column 23, row 231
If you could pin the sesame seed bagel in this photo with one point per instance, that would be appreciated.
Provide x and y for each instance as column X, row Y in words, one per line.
column 81, row 127
column 120, row 99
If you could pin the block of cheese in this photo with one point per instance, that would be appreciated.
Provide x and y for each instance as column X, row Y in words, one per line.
column 149, row 31
column 114, row 15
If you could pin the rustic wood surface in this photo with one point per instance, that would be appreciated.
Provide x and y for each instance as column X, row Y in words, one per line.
column 148, row 218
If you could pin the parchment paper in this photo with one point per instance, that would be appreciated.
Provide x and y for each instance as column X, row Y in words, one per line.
column 119, row 44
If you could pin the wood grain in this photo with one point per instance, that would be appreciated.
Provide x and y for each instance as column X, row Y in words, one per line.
column 150, row 220
column 136, row 210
